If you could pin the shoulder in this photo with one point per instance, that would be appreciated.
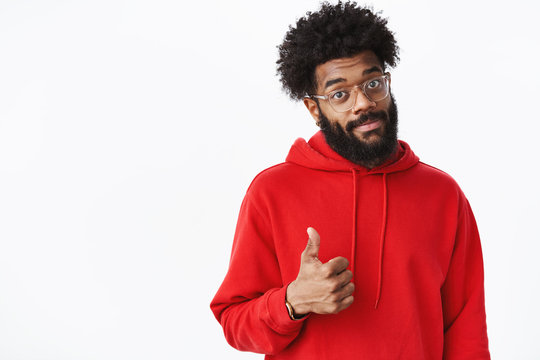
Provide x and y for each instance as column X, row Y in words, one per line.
column 279, row 175
column 435, row 181
column 280, row 182
column 434, row 173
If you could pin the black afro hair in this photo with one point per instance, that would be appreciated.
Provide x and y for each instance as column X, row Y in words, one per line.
column 333, row 32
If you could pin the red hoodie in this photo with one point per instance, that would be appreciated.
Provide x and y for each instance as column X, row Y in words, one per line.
column 413, row 246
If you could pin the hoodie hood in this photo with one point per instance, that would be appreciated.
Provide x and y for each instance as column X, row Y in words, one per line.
column 317, row 154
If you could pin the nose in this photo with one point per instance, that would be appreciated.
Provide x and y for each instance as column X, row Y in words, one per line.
column 362, row 102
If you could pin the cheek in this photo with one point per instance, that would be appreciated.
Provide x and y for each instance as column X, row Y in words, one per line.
column 335, row 117
column 384, row 105
column 342, row 120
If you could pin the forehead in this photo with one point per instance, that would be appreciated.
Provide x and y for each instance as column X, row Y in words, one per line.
column 346, row 68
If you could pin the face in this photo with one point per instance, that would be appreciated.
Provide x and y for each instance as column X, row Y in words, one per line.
column 367, row 133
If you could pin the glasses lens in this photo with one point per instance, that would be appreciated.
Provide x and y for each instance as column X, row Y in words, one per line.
column 341, row 100
column 377, row 89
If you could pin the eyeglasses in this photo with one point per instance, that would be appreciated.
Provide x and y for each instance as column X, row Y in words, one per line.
column 342, row 100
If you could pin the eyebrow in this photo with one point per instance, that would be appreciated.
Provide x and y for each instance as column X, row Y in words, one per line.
column 365, row 72
column 332, row 82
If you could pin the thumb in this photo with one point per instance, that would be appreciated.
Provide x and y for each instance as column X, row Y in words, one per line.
column 313, row 244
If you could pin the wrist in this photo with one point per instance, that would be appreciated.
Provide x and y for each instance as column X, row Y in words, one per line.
column 294, row 307
column 292, row 314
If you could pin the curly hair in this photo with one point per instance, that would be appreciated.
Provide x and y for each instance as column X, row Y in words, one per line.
column 333, row 32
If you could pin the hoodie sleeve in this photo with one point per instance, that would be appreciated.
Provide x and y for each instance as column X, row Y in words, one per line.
column 250, row 304
column 465, row 332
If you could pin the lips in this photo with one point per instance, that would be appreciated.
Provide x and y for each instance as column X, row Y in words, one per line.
column 368, row 122
column 369, row 125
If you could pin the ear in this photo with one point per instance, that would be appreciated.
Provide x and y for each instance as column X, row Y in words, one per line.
column 312, row 107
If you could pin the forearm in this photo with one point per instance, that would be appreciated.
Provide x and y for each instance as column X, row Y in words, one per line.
column 259, row 325
column 465, row 331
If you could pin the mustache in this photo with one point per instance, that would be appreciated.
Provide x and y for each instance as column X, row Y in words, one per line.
column 372, row 115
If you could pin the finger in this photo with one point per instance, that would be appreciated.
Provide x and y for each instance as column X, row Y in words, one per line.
column 335, row 307
column 337, row 296
column 345, row 291
column 344, row 278
column 313, row 244
column 346, row 302
column 337, row 264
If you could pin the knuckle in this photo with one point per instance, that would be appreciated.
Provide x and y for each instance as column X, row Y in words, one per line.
column 330, row 287
column 327, row 271
column 334, row 298
column 339, row 261
column 333, row 308
column 344, row 261
column 334, row 284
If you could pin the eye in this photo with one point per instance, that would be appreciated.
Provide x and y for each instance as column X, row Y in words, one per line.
column 339, row 95
column 374, row 84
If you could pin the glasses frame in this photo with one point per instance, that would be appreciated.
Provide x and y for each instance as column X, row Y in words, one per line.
column 361, row 86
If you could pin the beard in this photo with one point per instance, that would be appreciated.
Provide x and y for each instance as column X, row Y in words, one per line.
column 368, row 154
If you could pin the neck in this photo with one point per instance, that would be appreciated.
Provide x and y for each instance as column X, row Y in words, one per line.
column 382, row 160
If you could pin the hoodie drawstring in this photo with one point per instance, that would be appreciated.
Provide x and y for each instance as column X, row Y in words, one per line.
column 355, row 209
column 381, row 239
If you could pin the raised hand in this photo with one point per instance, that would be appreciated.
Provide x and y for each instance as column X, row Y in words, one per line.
column 320, row 288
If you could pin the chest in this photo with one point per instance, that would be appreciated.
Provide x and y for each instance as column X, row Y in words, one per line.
column 410, row 223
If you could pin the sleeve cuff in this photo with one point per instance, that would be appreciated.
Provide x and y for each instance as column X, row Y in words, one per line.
column 277, row 314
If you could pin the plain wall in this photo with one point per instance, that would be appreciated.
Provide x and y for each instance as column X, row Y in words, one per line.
column 130, row 130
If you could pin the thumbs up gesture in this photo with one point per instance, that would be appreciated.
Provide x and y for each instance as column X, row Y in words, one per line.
column 320, row 288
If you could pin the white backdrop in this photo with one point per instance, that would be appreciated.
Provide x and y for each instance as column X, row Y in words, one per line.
column 130, row 130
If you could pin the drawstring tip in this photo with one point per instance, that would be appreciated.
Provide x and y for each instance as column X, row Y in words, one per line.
column 376, row 303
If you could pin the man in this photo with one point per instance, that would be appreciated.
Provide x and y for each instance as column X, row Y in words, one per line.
column 392, row 264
